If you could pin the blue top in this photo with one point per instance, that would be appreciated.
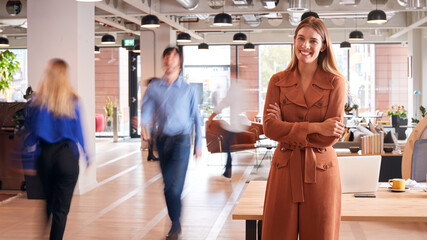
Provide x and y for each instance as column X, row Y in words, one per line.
column 176, row 108
column 41, row 124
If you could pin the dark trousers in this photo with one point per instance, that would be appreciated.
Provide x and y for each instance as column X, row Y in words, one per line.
column 151, row 146
column 58, row 168
column 228, row 139
column 174, row 153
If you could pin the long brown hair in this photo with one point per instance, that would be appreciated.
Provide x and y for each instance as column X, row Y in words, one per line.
column 55, row 91
column 326, row 59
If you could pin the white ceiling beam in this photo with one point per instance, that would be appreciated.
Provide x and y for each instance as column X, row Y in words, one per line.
column 170, row 20
column 409, row 28
column 117, row 25
column 116, row 12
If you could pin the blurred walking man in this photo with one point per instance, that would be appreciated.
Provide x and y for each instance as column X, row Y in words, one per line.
column 175, row 105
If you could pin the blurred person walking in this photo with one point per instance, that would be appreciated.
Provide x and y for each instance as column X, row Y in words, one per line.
column 235, row 100
column 54, row 125
column 174, row 103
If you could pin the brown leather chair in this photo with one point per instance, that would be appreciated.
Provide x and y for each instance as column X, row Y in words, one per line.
column 215, row 138
column 257, row 129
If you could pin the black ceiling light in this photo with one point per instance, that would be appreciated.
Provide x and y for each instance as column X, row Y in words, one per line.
column 97, row 50
column 309, row 14
column 108, row 39
column 377, row 16
column 183, row 37
column 223, row 20
column 136, row 49
column 345, row 44
column 248, row 47
column 13, row 7
column 150, row 21
column 356, row 36
column 240, row 38
column 203, row 46
column 4, row 42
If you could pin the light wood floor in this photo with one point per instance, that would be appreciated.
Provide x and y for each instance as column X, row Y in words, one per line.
column 129, row 204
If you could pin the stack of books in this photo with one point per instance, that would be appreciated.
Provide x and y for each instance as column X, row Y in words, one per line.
column 373, row 144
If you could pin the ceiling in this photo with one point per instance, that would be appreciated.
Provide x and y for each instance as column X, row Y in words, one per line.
column 261, row 24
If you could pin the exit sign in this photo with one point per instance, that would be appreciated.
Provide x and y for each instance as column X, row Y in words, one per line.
column 128, row 42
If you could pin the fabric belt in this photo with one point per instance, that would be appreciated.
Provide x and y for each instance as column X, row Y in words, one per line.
column 297, row 184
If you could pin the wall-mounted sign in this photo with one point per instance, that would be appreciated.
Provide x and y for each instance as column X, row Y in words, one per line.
column 128, row 43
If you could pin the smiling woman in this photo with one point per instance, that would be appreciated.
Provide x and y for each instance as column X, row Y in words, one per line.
column 305, row 179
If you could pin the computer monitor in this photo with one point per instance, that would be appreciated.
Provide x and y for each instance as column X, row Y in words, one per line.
column 359, row 174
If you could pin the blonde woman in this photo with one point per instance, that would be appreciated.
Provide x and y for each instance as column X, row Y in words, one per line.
column 54, row 124
column 303, row 111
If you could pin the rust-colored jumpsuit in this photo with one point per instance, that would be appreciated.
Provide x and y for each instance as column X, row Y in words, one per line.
column 303, row 193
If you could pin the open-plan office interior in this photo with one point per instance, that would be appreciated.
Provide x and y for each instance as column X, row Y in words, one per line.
column 121, row 195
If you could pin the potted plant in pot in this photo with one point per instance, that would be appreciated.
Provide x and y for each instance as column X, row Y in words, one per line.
column 423, row 114
column 109, row 109
column 398, row 116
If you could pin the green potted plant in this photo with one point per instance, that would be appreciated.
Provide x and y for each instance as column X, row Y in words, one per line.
column 109, row 108
column 8, row 67
column 423, row 114
column 398, row 115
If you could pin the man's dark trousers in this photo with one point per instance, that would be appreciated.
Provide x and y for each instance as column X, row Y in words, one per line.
column 174, row 153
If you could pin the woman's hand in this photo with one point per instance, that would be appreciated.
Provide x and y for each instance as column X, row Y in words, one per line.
column 274, row 111
column 331, row 127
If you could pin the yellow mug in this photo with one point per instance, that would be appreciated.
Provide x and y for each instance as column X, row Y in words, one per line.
column 397, row 183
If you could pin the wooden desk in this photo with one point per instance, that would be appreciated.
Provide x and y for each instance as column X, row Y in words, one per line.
column 409, row 206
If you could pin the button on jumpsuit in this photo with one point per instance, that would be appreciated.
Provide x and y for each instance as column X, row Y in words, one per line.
column 303, row 195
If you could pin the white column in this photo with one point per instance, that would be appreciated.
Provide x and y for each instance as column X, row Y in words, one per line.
column 153, row 42
column 65, row 29
column 415, row 53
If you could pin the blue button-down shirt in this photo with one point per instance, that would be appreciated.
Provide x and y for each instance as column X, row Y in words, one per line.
column 41, row 124
column 175, row 107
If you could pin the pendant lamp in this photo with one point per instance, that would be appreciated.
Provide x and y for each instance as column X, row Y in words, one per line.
column 150, row 21
column 345, row 44
column 136, row 49
column 4, row 42
column 309, row 14
column 203, row 46
column 223, row 20
column 377, row 16
column 108, row 39
column 183, row 37
column 249, row 47
column 356, row 36
column 240, row 38
column 97, row 50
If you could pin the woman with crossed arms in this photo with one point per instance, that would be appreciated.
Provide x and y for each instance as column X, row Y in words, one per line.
column 303, row 111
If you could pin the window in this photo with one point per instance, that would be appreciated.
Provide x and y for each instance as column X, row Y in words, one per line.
column 19, row 85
